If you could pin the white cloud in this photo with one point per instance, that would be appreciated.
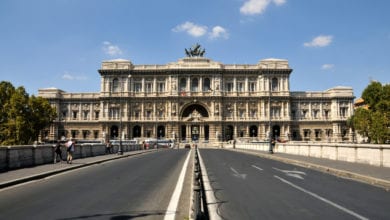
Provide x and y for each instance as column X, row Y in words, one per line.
column 110, row 49
column 69, row 76
column 327, row 66
column 320, row 41
column 219, row 32
column 196, row 30
column 252, row 7
column 191, row 29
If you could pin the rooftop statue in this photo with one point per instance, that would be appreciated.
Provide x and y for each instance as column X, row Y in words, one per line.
column 195, row 51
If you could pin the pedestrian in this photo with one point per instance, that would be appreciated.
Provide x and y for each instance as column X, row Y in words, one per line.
column 69, row 150
column 58, row 152
column 108, row 147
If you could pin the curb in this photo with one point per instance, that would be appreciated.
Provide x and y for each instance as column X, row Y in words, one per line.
column 336, row 172
column 61, row 170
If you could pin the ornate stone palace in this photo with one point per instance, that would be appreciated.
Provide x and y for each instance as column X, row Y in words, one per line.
column 199, row 99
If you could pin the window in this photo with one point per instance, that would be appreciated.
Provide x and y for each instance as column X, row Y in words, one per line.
column 315, row 113
column 326, row 113
column 194, row 85
column 206, row 85
column 306, row 133
column 343, row 112
column 149, row 87
column 85, row 134
column 274, row 84
column 64, row 114
column 161, row 87
column 253, row 113
column 240, row 87
column 317, row 133
column 137, row 87
column 136, row 114
column 252, row 86
column 148, row 114
column 115, row 85
column 275, row 112
column 304, row 113
column 229, row 87
column 113, row 113
column 97, row 115
column 183, row 84
column 75, row 115
column 241, row 113
column 85, row 115
column 95, row 134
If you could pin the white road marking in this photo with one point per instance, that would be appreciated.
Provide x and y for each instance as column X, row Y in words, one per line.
column 322, row 199
column 293, row 173
column 212, row 202
column 256, row 167
column 237, row 174
column 172, row 207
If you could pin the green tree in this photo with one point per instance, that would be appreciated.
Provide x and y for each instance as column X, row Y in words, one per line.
column 22, row 117
column 374, row 122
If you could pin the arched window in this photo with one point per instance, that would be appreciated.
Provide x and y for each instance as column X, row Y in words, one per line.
column 115, row 85
column 194, row 85
column 206, row 84
column 183, row 84
column 274, row 84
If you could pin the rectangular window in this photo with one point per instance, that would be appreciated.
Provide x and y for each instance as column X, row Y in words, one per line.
column 252, row 86
column 161, row 87
column 241, row 113
column 240, row 87
column 137, row 87
column 95, row 134
column 229, row 87
column 74, row 114
column 97, row 115
column 85, row 115
column 148, row 114
column 149, row 87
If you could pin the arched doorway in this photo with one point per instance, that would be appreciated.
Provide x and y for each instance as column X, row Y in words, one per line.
column 161, row 131
column 136, row 131
column 194, row 125
column 253, row 131
column 276, row 132
column 114, row 132
column 229, row 132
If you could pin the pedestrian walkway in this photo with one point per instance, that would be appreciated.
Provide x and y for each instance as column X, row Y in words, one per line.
column 375, row 175
column 18, row 176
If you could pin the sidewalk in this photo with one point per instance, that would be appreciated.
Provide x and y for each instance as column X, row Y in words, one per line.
column 374, row 175
column 13, row 177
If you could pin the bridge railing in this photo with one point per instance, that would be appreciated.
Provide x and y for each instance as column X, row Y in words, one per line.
column 13, row 157
column 372, row 154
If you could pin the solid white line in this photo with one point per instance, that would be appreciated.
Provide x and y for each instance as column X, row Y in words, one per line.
column 323, row 199
column 256, row 167
column 212, row 202
column 172, row 207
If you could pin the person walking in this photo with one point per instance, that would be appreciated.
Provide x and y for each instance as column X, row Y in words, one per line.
column 108, row 147
column 70, row 149
column 58, row 152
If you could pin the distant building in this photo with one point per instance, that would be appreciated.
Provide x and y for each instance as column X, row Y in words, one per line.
column 198, row 99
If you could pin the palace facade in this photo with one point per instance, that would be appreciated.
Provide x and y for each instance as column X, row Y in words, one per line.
column 198, row 99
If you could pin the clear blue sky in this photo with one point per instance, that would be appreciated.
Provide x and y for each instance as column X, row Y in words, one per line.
column 61, row 43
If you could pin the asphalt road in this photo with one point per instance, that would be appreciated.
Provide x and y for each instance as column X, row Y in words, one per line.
column 136, row 187
column 249, row 187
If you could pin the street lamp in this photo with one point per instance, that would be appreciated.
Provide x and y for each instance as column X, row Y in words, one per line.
column 120, row 151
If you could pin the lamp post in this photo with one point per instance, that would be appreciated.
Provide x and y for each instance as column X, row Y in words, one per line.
column 271, row 151
column 120, row 150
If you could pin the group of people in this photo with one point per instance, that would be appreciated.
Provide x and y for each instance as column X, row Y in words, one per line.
column 69, row 151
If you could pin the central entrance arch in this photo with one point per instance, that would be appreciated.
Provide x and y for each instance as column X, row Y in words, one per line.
column 194, row 125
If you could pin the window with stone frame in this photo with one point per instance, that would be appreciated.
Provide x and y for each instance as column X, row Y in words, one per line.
column 229, row 87
column 240, row 86
column 149, row 87
column 137, row 87
column 75, row 115
column 97, row 115
column 85, row 115
column 95, row 134
column 252, row 86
